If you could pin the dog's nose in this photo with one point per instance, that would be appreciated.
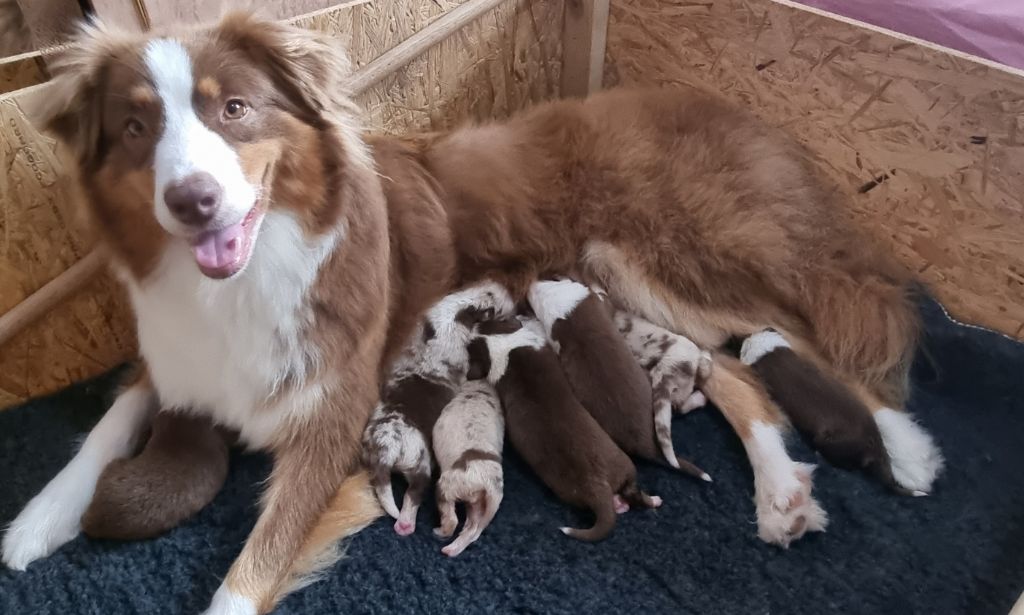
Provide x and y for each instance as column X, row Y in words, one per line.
column 194, row 200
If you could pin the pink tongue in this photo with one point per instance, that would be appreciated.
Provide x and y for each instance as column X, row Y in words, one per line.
column 219, row 249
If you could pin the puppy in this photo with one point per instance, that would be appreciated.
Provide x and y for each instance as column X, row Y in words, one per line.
column 467, row 443
column 180, row 469
column 825, row 412
column 599, row 366
column 674, row 365
column 423, row 381
column 546, row 424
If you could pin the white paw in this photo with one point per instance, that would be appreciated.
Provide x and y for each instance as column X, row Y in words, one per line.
column 916, row 460
column 227, row 602
column 785, row 508
column 46, row 523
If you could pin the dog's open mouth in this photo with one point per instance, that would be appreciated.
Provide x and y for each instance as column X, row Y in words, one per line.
column 224, row 252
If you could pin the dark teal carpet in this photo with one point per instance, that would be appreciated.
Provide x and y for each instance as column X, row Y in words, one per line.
column 960, row 550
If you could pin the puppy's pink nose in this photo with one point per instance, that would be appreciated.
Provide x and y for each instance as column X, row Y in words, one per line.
column 194, row 199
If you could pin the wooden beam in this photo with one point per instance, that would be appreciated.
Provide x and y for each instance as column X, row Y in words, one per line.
column 584, row 36
column 67, row 282
column 50, row 21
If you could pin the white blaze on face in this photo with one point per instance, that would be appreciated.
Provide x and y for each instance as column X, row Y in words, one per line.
column 187, row 146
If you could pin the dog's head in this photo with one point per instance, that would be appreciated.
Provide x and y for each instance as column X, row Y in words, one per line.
column 192, row 138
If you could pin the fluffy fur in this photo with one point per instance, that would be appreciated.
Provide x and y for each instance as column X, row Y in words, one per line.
column 424, row 380
column 468, row 439
column 182, row 466
column 556, row 436
column 692, row 214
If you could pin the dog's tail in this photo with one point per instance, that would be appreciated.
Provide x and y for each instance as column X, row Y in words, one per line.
column 604, row 510
column 865, row 325
column 382, row 487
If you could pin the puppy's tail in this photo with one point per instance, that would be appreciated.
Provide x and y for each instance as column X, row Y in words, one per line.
column 687, row 467
column 382, row 487
column 604, row 509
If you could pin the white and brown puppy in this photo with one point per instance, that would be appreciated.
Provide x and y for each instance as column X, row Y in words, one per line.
column 674, row 365
column 468, row 439
column 599, row 366
column 546, row 424
column 823, row 409
column 423, row 381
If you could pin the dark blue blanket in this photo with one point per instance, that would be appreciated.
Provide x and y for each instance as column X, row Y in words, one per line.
column 961, row 550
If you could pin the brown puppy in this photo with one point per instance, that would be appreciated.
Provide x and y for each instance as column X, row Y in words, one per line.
column 598, row 364
column 556, row 436
column 825, row 412
column 181, row 468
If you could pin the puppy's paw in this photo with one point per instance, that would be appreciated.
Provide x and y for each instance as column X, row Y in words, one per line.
column 916, row 460
column 46, row 523
column 404, row 528
column 786, row 510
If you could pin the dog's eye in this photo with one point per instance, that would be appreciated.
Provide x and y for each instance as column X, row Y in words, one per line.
column 134, row 128
column 235, row 109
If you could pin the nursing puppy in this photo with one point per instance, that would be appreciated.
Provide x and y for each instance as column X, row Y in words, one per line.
column 468, row 440
column 546, row 424
column 601, row 370
column 674, row 365
column 181, row 467
column 822, row 408
column 423, row 381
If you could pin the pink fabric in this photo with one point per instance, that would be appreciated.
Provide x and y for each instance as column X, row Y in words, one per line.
column 992, row 29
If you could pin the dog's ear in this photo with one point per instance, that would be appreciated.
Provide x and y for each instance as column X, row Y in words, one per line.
column 310, row 68
column 479, row 359
column 69, row 106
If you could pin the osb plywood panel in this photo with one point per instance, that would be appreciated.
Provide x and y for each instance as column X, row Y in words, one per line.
column 504, row 61
column 929, row 145
column 19, row 72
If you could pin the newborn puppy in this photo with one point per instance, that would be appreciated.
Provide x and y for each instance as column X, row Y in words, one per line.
column 555, row 435
column 599, row 366
column 178, row 472
column 467, row 443
column 822, row 408
column 674, row 365
column 422, row 382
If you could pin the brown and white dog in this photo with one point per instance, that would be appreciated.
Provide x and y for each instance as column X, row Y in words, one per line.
column 556, row 436
column 277, row 259
column 468, row 440
column 598, row 364
column 424, row 379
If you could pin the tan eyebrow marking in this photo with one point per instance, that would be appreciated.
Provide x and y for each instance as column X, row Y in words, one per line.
column 142, row 95
column 208, row 87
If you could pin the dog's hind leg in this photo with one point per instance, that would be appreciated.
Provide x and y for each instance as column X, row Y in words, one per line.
column 53, row 517
column 782, row 487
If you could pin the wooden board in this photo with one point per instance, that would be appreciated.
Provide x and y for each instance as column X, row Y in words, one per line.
column 507, row 59
column 929, row 143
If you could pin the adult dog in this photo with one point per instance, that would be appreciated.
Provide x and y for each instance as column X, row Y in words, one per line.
column 275, row 259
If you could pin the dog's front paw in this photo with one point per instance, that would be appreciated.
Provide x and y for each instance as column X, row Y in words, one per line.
column 227, row 602
column 46, row 523
column 916, row 460
column 786, row 510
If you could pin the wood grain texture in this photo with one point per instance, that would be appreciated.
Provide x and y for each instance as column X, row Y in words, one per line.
column 929, row 144
column 583, row 46
column 501, row 62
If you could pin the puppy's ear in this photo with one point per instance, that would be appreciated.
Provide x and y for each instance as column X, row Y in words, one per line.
column 479, row 359
column 312, row 69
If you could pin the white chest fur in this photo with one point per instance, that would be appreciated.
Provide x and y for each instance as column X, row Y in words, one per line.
column 226, row 347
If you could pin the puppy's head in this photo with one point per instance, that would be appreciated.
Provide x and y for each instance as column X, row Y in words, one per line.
column 189, row 139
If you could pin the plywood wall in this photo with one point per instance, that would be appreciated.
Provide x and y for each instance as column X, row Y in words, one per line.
column 929, row 145
column 504, row 61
